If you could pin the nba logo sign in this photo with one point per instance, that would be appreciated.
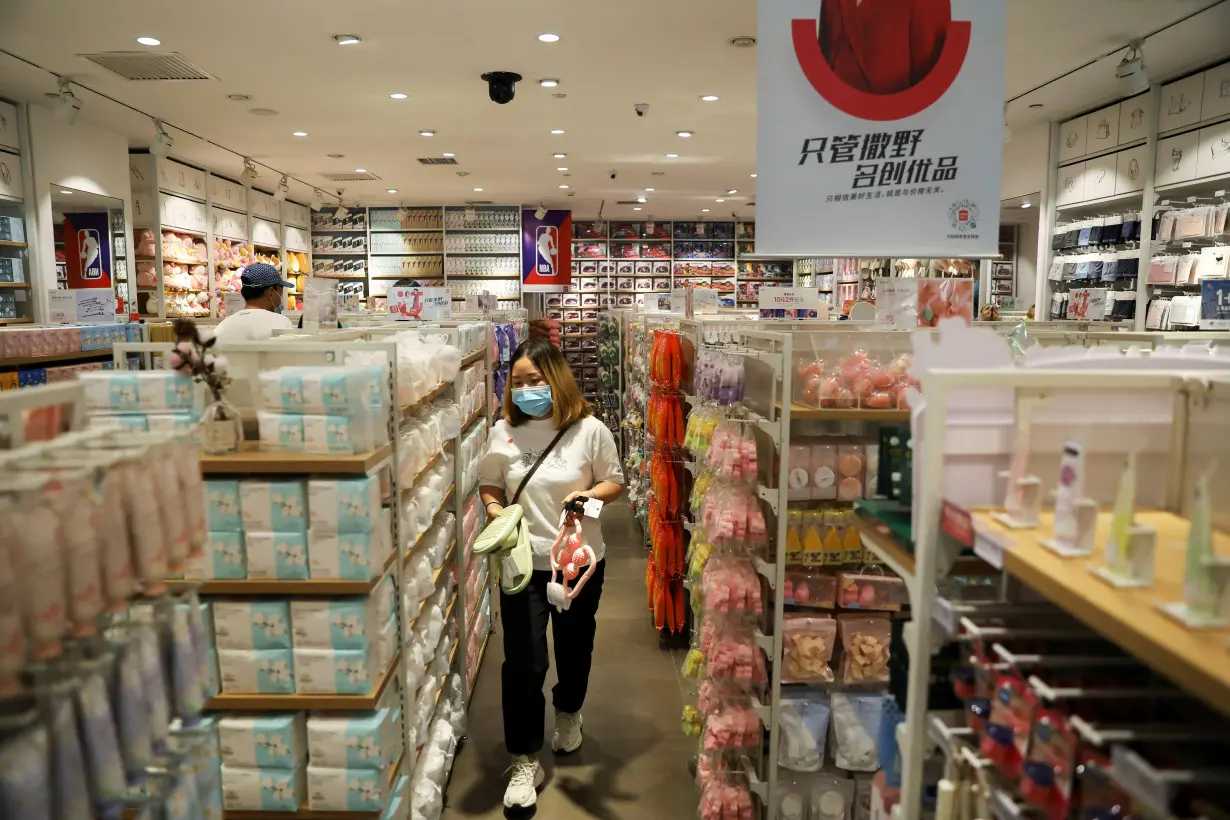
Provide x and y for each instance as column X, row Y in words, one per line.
column 88, row 247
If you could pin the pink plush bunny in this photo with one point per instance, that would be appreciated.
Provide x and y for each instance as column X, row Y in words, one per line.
column 569, row 555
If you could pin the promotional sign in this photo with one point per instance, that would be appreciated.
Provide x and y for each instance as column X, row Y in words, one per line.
column 86, row 306
column 1087, row 303
column 480, row 302
column 546, row 251
column 691, row 301
column 406, row 304
column 879, row 127
column 87, row 250
column 232, row 302
column 791, row 303
column 1215, row 304
column 897, row 302
column 940, row 299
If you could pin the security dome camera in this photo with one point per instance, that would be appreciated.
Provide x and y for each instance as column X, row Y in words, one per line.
column 614, row 174
column 502, row 86
column 641, row 109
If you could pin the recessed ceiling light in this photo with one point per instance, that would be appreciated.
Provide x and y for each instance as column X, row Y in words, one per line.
column 636, row 209
column 549, row 38
column 704, row 210
column 753, row 176
column 559, row 156
column 548, row 83
column 641, row 199
column 561, row 169
column 448, row 154
column 65, row 191
column 391, row 191
column 731, row 192
column 557, row 131
column 563, row 186
column 399, row 96
column 347, row 39
column 149, row 41
column 479, row 190
column 299, row 134
column 684, row 134
column 650, row 190
column 1026, row 205
column 360, row 170
column 427, row 132
column 709, row 98
column 672, row 156
column 745, row 41
column 719, row 200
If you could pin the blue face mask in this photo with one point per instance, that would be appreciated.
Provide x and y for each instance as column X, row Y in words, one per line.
column 533, row 401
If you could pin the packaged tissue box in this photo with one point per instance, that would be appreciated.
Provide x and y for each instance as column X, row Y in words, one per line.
column 257, row 671
column 281, row 556
column 339, row 623
column 223, row 558
column 337, row 671
column 323, row 390
column 358, row 556
column 176, row 424
column 279, row 741
column 317, row 434
column 345, row 505
column 222, row 504
column 346, row 789
column 273, row 506
column 137, row 392
column 367, row 741
column 264, row 789
column 252, row 624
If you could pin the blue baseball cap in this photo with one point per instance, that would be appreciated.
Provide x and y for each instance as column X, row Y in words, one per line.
column 263, row 275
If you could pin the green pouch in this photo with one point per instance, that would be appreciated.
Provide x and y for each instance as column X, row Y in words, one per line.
column 500, row 533
column 517, row 564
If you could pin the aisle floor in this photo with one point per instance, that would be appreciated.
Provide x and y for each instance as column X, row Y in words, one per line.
column 634, row 761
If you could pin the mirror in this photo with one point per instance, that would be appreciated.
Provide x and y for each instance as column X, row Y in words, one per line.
column 90, row 241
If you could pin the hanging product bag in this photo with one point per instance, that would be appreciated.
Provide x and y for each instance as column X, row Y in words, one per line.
column 507, row 536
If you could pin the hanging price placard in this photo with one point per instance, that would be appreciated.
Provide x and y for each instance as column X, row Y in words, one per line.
column 1215, row 304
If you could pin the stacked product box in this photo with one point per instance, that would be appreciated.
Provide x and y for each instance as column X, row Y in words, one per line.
column 323, row 409
column 155, row 401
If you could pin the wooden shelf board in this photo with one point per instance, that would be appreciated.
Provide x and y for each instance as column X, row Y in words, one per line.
column 432, row 396
column 879, row 539
column 329, row 587
column 443, row 501
column 16, row 285
column 252, row 460
column 4, row 243
column 227, row 702
column 474, row 417
column 16, row 321
column 56, row 357
column 476, row 356
column 1196, row 660
column 801, row 412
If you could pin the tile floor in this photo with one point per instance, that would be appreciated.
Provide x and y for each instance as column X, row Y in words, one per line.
column 634, row 763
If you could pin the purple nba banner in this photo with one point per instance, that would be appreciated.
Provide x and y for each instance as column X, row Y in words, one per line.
column 546, row 251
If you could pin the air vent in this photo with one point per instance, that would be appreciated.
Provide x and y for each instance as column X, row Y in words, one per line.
column 628, row 202
column 141, row 65
column 437, row 161
column 477, row 202
column 351, row 177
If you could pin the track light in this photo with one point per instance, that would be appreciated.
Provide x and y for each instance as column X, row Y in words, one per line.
column 283, row 189
column 318, row 199
column 249, row 172
column 1131, row 72
column 162, row 141
column 541, row 212
column 68, row 105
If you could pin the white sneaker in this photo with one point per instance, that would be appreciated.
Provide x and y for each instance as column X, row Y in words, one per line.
column 527, row 776
column 567, row 735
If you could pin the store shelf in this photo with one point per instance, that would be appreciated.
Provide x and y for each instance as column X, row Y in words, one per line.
column 56, row 357
column 4, row 243
column 879, row 539
column 16, row 285
column 311, row 588
column 1102, row 201
column 1196, row 660
column 477, row 414
column 443, row 501
column 175, row 260
column 476, row 356
column 252, row 460
column 801, row 412
column 297, row 703
column 430, row 397
column 305, row 813
column 16, row 321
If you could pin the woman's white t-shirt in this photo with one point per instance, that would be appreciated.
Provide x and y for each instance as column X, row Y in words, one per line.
column 585, row 456
column 250, row 325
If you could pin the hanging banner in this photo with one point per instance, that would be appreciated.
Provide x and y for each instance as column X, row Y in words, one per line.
column 879, row 127
column 87, row 250
column 406, row 304
column 546, row 251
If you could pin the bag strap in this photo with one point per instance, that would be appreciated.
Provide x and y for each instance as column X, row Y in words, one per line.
column 541, row 458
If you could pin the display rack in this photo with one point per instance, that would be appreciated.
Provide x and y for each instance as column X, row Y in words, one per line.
column 194, row 231
column 16, row 276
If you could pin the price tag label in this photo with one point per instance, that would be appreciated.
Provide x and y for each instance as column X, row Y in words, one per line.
column 942, row 613
column 990, row 548
column 593, row 508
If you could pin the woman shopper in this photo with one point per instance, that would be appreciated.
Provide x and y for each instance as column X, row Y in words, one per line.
column 546, row 422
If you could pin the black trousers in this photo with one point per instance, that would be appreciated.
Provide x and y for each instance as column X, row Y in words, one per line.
column 526, row 661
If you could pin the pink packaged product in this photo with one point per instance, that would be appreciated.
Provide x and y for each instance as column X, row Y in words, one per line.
column 731, row 586
column 865, row 591
column 810, row 589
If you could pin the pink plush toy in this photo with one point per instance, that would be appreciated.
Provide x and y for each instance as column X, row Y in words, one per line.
column 569, row 555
